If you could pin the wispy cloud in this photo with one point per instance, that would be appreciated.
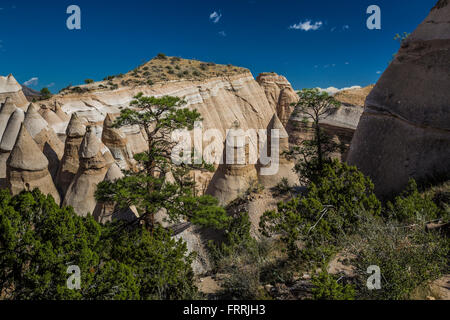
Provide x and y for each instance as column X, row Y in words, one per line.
column 50, row 85
column 379, row 72
column 307, row 25
column 346, row 27
column 223, row 33
column 215, row 17
column 32, row 82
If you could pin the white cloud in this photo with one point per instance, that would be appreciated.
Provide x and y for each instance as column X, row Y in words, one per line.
column 222, row 33
column 32, row 82
column 347, row 63
column 332, row 90
column 50, row 85
column 215, row 17
column 332, row 29
column 379, row 72
column 307, row 26
column 346, row 27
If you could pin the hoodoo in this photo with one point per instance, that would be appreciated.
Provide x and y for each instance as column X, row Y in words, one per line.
column 27, row 167
column 45, row 137
column 285, row 166
column 404, row 131
column 117, row 143
column 232, row 180
column 95, row 160
column 8, row 140
column 70, row 161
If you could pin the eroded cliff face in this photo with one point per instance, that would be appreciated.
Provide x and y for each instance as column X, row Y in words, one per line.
column 279, row 93
column 405, row 129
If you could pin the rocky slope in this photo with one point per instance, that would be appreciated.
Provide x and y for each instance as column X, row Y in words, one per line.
column 405, row 129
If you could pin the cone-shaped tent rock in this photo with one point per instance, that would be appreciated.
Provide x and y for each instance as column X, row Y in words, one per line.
column 27, row 167
column 233, row 179
column 45, row 137
column 285, row 167
column 95, row 161
column 70, row 161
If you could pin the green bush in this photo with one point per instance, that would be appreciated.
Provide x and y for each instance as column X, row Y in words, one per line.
column 326, row 287
column 408, row 257
column 412, row 207
column 39, row 240
column 88, row 81
column 330, row 210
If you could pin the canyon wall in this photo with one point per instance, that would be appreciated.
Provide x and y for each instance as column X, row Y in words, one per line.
column 404, row 131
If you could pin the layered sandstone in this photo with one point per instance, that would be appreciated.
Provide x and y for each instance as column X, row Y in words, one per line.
column 95, row 161
column 27, row 167
column 279, row 93
column 404, row 131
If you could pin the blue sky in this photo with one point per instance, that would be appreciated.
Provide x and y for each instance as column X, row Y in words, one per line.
column 117, row 36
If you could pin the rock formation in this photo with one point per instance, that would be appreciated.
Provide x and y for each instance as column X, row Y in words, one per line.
column 232, row 179
column 8, row 140
column 107, row 212
column 117, row 143
column 45, row 137
column 279, row 93
column 340, row 125
column 27, row 167
column 285, row 166
column 95, row 161
column 70, row 161
column 10, row 88
column 7, row 109
column 404, row 131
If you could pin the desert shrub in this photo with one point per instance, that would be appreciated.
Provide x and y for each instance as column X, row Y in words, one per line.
column 161, row 56
column 408, row 257
column 330, row 210
column 412, row 207
column 326, row 287
column 87, row 81
column 282, row 188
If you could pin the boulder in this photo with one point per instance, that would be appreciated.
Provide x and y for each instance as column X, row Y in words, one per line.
column 404, row 131
column 27, row 167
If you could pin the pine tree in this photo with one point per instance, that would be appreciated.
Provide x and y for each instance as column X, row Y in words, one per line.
column 147, row 187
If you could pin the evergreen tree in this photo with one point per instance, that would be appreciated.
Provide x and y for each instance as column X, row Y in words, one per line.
column 147, row 188
column 314, row 106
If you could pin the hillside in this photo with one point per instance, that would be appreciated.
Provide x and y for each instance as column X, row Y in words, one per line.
column 161, row 69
